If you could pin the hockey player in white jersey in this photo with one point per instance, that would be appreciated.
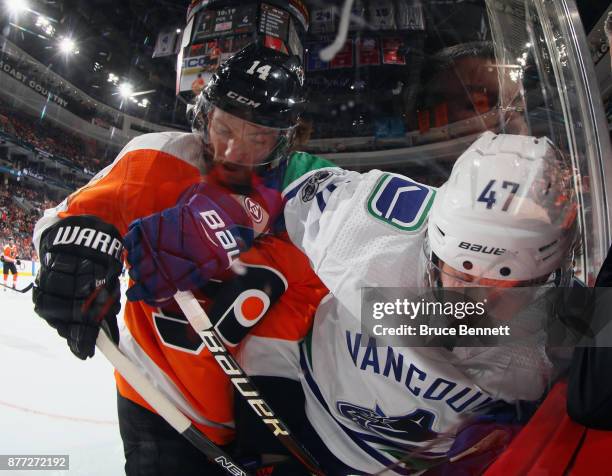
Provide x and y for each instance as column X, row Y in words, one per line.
column 398, row 410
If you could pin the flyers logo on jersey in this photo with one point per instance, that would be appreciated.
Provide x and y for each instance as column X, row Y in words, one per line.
column 400, row 202
column 238, row 305
column 243, row 302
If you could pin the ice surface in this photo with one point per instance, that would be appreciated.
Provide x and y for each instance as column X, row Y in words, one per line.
column 50, row 401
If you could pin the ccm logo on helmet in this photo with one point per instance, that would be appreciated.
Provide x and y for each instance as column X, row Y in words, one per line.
column 242, row 99
column 489, row 250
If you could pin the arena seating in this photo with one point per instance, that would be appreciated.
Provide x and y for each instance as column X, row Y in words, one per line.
column 21, row 206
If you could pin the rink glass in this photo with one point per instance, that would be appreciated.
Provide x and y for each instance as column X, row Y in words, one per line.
column 412, row 87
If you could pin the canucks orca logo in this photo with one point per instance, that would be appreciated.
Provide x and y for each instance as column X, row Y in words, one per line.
column 413, row 427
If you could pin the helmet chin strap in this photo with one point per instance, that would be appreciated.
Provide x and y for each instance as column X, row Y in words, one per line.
column 438, row 272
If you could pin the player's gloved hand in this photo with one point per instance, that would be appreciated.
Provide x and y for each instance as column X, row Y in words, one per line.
column 182, row 247
column 77, row 287
column 18, row 262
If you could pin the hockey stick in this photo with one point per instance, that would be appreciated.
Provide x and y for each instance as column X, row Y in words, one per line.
column 201, row 324
column 164, row 407
column 24, row 290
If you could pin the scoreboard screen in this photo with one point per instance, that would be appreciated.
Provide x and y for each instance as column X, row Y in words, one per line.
column 225, row 21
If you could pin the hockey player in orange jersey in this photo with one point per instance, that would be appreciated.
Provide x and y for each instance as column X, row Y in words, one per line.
column 9, row 262
column 243, row 145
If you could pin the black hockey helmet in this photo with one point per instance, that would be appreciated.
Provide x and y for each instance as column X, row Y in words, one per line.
column 259, row 85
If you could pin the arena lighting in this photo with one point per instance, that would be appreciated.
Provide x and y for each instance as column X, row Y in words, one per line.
column 113, row 78
column 68, row 46
column 15, row 7
column 45, row 25
column 126, row 90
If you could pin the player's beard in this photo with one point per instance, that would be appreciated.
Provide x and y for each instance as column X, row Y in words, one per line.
column 238, row 178
column 230, row 173
column 225, row 174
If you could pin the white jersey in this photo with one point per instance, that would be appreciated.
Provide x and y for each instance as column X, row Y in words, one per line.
column 373, row 404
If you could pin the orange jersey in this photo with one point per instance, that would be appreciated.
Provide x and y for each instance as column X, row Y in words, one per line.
column 10, row 252
column 148, row 176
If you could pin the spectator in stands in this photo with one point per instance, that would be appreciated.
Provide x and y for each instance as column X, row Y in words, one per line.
column 467, row 87
column 16, row 221
column 48, row 138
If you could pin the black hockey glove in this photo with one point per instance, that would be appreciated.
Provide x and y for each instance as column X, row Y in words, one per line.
column 77, row 287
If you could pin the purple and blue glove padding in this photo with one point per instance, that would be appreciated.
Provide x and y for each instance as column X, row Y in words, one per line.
column 183, row 247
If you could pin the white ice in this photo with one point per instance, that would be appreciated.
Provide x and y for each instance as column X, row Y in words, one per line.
column 50, row 401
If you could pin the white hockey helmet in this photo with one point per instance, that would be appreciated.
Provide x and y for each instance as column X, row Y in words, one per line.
column 505, row 217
